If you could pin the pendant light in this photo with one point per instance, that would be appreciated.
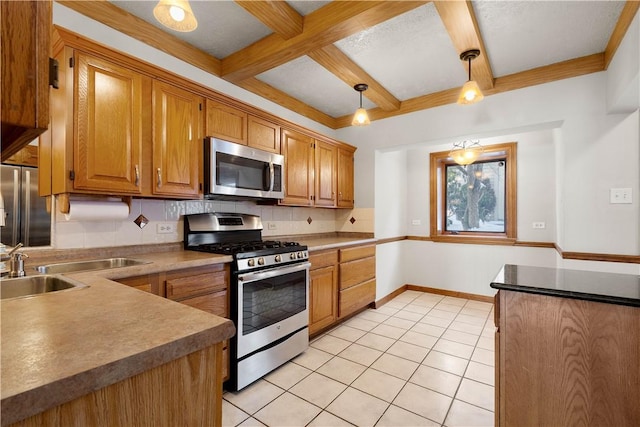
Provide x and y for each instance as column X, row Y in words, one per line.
column 176, row 15
column 466, row 152
column 470, row 93
column 360, row 118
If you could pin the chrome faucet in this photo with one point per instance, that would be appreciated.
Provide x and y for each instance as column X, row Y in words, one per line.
column 16, row 261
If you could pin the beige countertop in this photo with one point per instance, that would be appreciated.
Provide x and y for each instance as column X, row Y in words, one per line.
column 62, row 345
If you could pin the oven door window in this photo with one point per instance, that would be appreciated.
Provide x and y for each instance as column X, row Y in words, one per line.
column 271, row 300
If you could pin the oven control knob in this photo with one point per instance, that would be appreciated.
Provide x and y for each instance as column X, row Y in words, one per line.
column 277, row 258
column 260, row 261
column 299, row 255
column 292, row 256
column 252, row 262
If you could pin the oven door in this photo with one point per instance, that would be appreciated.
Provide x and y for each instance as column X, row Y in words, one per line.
column 271, row 304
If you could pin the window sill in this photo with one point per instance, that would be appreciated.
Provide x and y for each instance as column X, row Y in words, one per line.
column 473, row 240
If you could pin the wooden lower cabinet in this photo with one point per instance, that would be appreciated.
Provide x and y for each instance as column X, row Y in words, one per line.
column 185, row 391
column 323, row 289
column 147, row 283
column 204, row 288
column 562, row 362
column 357, row 278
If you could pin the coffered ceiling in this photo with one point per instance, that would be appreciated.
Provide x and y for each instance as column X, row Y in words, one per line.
column 307, row 55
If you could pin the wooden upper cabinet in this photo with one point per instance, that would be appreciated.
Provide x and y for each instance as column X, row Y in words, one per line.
column 263, row 135
column 177, row 137
column 325, row 174
column 346, row 198
column 25, row 34
column 108, row 103
column 298, row 152
column 225, row 122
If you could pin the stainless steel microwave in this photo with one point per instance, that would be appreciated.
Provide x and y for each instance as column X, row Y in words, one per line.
column 234, row 170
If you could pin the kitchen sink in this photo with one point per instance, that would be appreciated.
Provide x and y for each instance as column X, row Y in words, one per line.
column 96, row 264
column 34, row 285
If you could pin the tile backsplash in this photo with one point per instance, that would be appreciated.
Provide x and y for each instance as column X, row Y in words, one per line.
column 276, row 220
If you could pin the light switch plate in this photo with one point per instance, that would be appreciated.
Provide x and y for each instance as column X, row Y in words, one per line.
column 415, row 222
column 620, row 195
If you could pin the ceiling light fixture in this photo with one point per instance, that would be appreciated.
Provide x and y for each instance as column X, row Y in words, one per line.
column 361, row 118
column 466, row 152
column 470, row 93
column 176, row 15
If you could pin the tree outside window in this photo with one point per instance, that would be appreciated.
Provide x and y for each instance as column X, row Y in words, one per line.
column 474, row 203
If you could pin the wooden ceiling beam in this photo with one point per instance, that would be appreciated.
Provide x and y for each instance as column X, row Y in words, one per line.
column 626, row 16
column 277, row 15
column 461, row 24
column 334, row 60
column 333, row 22
column 546, row 74
column 121, row 20
column 266, row 91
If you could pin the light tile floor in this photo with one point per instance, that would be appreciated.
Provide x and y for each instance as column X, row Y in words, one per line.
column 420, row 360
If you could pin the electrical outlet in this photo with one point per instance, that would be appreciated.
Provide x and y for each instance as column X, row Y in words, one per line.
column 539, row 225
column 271, row 226
column 620, row 195
column 165, row 228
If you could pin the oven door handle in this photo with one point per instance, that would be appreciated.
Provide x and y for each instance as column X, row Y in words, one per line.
column 278, row 271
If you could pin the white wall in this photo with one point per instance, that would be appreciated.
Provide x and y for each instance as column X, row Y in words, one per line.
column 577, row 139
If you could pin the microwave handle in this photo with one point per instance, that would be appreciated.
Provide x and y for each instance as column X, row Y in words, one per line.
column 271, row 176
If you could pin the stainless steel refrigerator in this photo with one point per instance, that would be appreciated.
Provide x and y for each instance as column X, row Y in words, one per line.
column 26, row 218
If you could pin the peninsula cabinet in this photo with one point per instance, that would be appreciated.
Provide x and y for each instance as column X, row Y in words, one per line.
column 323, row 290
column 118, row 131
column 567, row 348
column 25, row 35
column 357, row 278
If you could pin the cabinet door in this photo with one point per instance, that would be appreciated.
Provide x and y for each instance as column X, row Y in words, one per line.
column 345, row 178
column 323, row 307
column 263, row 135
column 325, row 171
column 147, row 283
column 25, row 29
column 177, row 136
column 226, row 122
column 108, row 137
column 298, row 175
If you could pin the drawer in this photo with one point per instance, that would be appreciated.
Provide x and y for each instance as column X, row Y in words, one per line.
column 148, row 283
column 358, row 271
column 214, row 303
column 357, row 252
column 179, row 288
column 357, row 297
column 323, row 259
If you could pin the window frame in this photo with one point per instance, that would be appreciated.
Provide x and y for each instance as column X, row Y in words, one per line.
column 437, row 161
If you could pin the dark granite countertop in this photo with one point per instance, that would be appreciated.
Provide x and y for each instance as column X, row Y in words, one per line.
column 612, row 288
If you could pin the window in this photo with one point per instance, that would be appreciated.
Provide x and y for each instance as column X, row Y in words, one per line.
column 475, row 203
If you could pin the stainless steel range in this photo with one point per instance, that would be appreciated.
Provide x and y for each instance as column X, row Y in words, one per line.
column 269, row 292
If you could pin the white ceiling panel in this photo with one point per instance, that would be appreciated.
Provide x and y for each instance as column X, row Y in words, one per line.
column 410, row 55
column 305, row 7
column 312, row 84
column 219, row 22
column 521, row 35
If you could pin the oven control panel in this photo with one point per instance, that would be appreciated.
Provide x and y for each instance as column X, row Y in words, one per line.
column 271, row 260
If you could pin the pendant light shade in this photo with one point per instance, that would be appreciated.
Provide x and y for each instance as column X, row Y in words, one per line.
column 466, row 152
column 470, row 93
column 360, row 118
column 176, row 15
